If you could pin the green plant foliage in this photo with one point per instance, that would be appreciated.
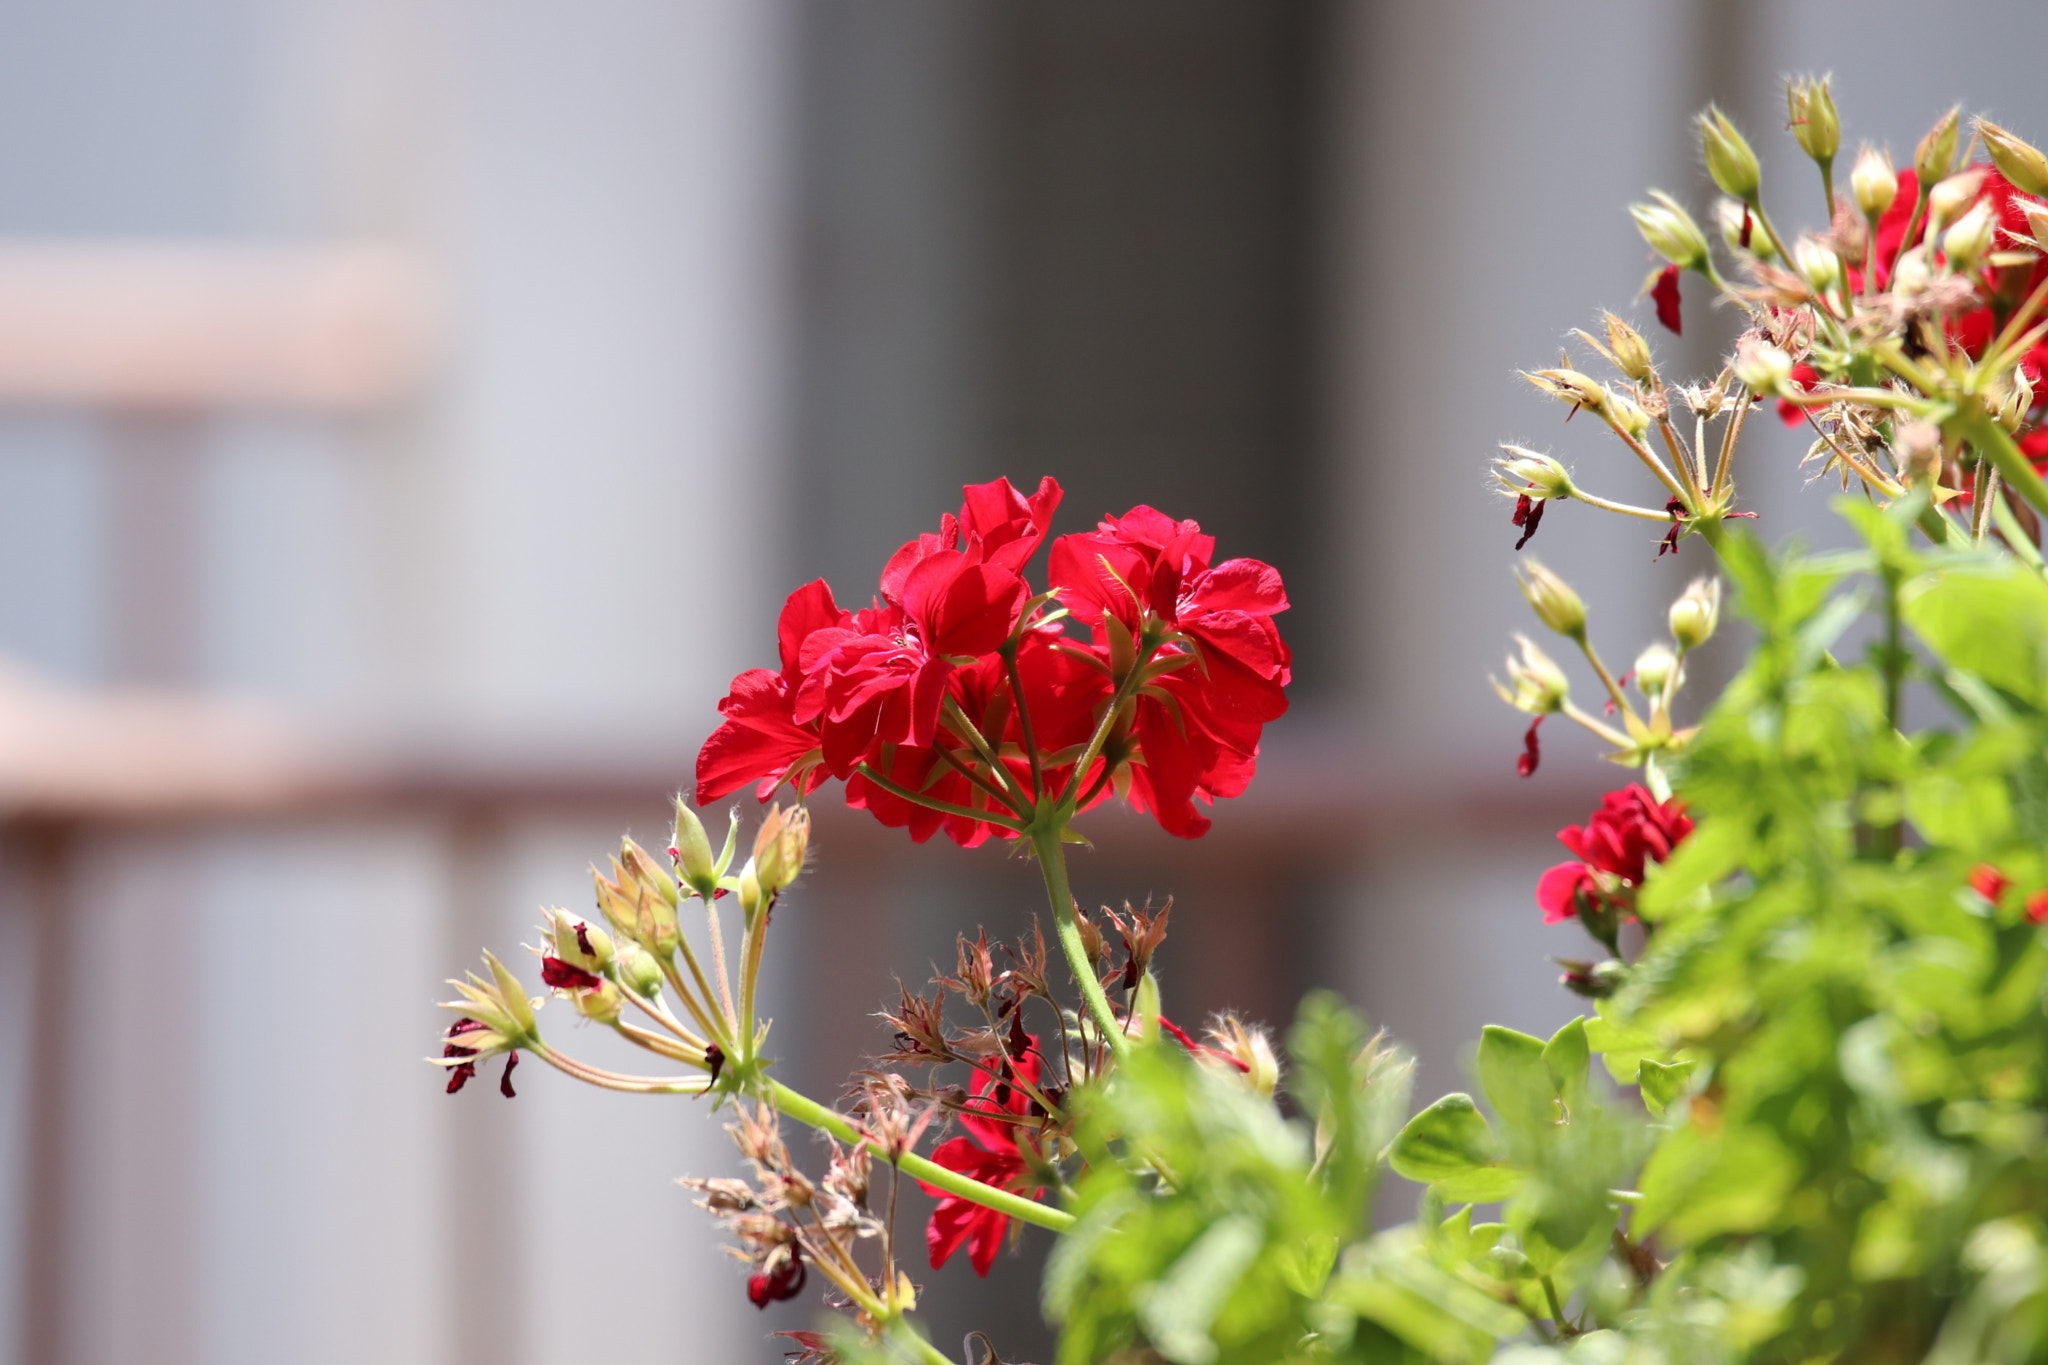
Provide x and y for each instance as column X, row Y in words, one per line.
column 1830, row 1141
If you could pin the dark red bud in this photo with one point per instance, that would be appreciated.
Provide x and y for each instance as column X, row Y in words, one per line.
column 583, row 939
column 714, row 1057
column 505, row 1081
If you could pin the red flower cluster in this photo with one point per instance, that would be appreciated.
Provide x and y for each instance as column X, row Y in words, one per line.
column 1988, row 882
column 955, row 698
column 2000, row 289
column 992, row 1155
column 1630, row 830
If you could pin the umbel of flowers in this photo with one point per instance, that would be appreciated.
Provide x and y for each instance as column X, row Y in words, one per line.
column 1821, row 995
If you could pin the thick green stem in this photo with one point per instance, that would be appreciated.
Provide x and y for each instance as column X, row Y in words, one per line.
column 1052, row 864
column 808, row 1111
column 1995, row 444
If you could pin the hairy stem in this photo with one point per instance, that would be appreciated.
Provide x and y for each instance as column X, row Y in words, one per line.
column 1052, row 864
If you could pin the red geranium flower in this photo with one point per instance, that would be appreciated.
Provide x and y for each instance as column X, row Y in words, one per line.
column 915, row 699
column 1631, row 829
column 1145, row 579
column 992, row 1155
column 761, row 741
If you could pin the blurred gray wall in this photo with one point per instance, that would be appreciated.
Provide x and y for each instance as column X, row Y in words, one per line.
column 737, row 294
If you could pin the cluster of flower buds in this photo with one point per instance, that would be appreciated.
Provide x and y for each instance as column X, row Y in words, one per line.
column 957, row 700
column 1538, row 687
column 1918, row 304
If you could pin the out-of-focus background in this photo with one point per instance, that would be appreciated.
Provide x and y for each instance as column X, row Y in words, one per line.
column 412, row 413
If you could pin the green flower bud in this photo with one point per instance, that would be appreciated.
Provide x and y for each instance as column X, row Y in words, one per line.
column 1670, row 231
column 2019, row 162
column 692, row 852
column 569, row 934
column 1874, row 182
column 1735, row 220
column 1819, row 266
column 1654, row 669
column 1631, row 353
column 1935, row 157
column 1761, row 367
column 1535, row 683
column 1966, row 243
column 1950, row 199
column 779, row 847
column 1557, row 606
column 1730, row 162
column 1695, row 614
column 751, row 896
column 1815, row 124
column 639, row 970
column 603, row 1004
column 1527, row 471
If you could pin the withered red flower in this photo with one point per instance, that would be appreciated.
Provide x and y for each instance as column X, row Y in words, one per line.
column 992, row 1154
column 780, row 1277
column 1665, row 295
column 566, row 976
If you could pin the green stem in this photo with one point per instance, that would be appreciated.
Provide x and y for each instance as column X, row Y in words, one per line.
column 920, row 799
column 1995, row 444
column 1052, row 864
column 924, row 1350
column 808, row 1111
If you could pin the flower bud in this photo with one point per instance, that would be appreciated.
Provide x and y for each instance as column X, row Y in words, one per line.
column 692, row 852
column 1527, row 471
column 1815, row 124
column 2019, row 162
column 1736, row 222
column 1935, row 157
column 1966, row 243
column 1654, row 669
column 639, row 970
column 1631, row 353
column 1695, row 615
column 637, row 910
column 1910, row 276
column 601, row 1004
column 752, row 898
column 1250, row 1047
column 578, row 942
column 1536, row 684
column 1947, row 201
column 1557, row 606
column 1627, row 414
column 1761, row 367
column 1819, row 266
column 1670, row 231
column 1874, row 182
column 1580, row 390
column 779, row 847
column 1729, row 160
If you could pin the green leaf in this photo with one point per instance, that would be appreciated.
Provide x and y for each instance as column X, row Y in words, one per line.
column 1451, row 1146
column 1177, row 1311
column 1566, row 1057
column 1698, row 1185
column 1661, row 1084
column 1992, row 622
column 1715, row 848
column 1620, row 1045
column 1967, row 814
column 1517, row 1083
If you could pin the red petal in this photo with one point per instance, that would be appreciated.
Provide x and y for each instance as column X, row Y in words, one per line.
column 1665, row 295
column 1557, row 891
